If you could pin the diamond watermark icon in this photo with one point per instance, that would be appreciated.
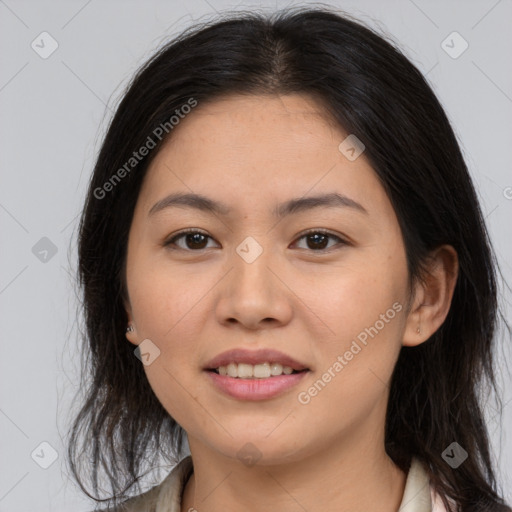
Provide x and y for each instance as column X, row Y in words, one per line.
column 147, row 352
column 44, row 250
column 454, row 45
column 44, row 455
column 351, row 147
column 249, row 250
column 44, row 45
column 249, row 454
column 454, row 455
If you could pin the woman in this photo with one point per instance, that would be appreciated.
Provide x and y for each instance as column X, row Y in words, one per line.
column 282, row 255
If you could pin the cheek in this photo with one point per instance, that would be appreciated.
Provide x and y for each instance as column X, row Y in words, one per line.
column 164, row 299
column 173, row 388
column 350, row 381
column 167, row 304
column 352, row 297
column 170, row 308
column 362, row 310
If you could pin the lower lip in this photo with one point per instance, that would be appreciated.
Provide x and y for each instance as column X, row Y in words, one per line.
column 255, row 389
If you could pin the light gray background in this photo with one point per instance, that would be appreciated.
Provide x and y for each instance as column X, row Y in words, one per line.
column 54, row 113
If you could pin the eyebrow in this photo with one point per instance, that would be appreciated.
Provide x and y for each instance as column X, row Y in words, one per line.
column 206, row 204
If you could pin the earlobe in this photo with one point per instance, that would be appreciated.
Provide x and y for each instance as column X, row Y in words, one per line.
column 432, row 296
column 413, row 333
column 131, row 333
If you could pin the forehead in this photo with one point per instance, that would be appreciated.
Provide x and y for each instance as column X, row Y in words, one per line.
column 249, row 149
column 253, row 118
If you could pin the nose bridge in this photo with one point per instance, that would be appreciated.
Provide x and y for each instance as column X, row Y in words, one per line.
column 251, row 260
column 253, row 293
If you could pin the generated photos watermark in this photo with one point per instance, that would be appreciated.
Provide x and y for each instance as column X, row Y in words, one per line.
column 305, row 397
column 159, row 133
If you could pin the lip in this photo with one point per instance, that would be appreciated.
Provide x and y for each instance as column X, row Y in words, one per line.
column 255, row 389
column 240, row 355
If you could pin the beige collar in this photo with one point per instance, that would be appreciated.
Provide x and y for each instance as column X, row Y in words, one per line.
column 166, row 497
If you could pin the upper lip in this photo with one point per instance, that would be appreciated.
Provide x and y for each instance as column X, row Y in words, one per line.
column 240, row 355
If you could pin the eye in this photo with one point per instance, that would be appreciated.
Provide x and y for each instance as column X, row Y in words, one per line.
column 195, row 239
column 318, row 239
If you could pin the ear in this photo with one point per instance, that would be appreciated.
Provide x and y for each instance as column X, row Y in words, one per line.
column 131, row 336
column 432, row 296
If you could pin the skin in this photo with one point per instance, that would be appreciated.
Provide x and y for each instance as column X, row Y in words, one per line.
column 252, row 152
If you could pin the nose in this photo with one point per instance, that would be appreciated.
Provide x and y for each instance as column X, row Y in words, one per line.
column 254, row 294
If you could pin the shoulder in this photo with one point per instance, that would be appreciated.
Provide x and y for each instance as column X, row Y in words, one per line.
column 145, row 502
column 419, row 494
column 164, row 497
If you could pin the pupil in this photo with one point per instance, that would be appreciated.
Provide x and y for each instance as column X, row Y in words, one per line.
column 315, row 237
column 193, row 239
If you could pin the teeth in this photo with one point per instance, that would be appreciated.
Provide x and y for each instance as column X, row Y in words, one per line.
column 232, row 370
column 245, row 371
column 262, row 371
column 276, row 369
column 256, row 371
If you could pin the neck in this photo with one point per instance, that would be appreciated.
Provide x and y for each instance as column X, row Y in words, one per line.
column 345, row 476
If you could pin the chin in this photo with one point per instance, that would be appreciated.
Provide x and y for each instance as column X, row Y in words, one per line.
column 262, row 449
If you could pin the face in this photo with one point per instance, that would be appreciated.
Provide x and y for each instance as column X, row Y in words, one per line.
column 333, row 300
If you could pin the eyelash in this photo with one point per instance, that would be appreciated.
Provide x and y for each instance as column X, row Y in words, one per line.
column 181, row 234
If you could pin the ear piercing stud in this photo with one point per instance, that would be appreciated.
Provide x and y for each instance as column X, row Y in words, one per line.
column 129, row 328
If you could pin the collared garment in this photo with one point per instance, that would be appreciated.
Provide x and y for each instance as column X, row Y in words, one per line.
column 418, row 496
